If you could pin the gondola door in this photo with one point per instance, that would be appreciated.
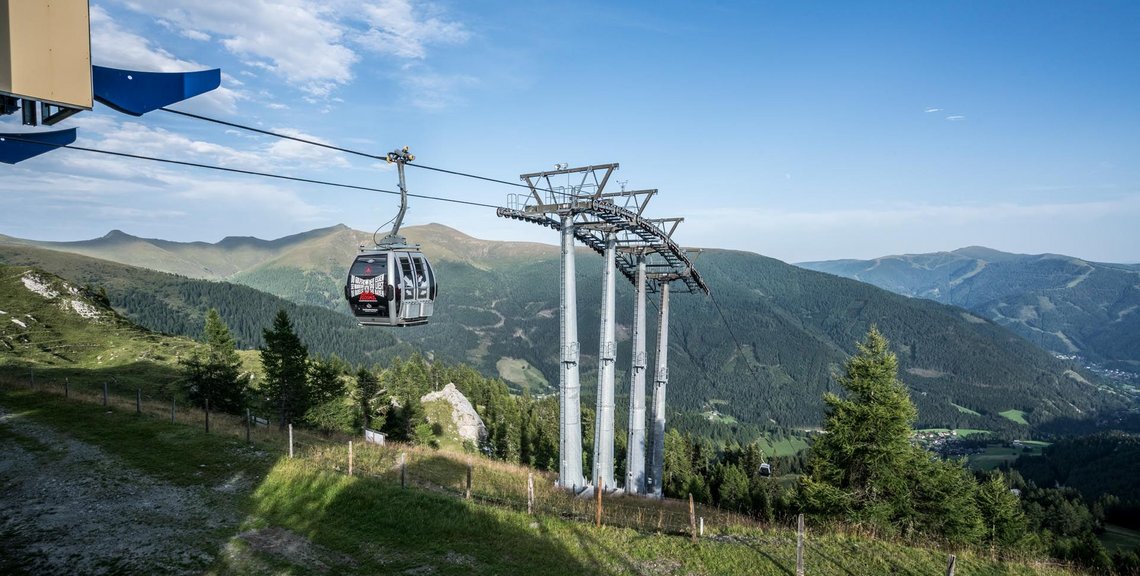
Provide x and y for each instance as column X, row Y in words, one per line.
column 414, row 288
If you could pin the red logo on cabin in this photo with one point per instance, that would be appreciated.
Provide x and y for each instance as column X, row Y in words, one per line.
column 367, row 297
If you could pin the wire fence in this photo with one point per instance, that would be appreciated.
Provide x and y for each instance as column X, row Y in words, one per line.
column 470, row 477
column 496, row 483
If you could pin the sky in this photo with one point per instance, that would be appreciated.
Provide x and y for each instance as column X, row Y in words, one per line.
column 800, row 131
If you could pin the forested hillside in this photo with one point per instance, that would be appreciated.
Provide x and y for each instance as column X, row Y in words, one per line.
column 498, row 304
column 1064, row 304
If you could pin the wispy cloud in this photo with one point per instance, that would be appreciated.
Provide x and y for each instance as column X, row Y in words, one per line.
column 432, row 91
column 396, row 27
column 955, row 117
column 930, row 110
column 113, row 46
column 311, row 44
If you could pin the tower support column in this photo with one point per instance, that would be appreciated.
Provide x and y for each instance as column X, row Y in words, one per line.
column 607, row 357
column 660, row 379
column 569, row 386
column 635, row 447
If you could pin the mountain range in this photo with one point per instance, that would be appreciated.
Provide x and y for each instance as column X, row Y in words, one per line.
column 1067, row 305
column 760, row 350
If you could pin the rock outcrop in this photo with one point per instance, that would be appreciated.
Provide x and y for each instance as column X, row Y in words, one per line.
column 463, row 414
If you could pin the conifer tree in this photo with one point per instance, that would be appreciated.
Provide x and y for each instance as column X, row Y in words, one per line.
column 859, row 464
column 367, row 393
column 285, row 359
column 214, row 373
column 865, row 469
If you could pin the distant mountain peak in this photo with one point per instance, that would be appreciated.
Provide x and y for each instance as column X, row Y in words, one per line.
column 117, row 234
column 987, row 254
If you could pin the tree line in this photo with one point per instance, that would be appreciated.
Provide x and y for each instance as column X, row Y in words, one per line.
column 862, row 470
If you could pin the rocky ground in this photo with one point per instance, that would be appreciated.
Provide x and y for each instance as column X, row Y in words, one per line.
column 67, row 507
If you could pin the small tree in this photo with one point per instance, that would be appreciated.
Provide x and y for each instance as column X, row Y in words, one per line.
column 1004, row 523
column 284, row 359
column 214, row 373
column 367, row 394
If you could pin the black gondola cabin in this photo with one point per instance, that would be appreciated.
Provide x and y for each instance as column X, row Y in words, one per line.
column 393, row 287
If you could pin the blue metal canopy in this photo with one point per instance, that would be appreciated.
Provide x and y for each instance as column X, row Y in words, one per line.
column 19, row 147
column 136, row 93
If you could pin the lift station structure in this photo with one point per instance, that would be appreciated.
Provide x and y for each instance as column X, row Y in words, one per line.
column 641, row 249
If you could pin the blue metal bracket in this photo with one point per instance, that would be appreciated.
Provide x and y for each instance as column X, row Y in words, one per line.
column 18, row 147
column 136, row 93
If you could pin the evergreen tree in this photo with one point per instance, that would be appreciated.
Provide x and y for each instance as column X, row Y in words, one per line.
column 367, row 394
column 284, row 359
column 865, row 468
column 214, row 373
column 857, row 465
column 1004, row 524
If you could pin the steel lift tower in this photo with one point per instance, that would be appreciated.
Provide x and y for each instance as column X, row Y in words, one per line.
column 642, row 250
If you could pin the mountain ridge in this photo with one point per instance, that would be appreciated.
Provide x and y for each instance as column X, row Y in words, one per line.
column 1067, row 305
column 498, row 311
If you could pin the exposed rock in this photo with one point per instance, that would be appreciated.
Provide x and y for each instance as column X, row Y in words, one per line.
column 467, row 420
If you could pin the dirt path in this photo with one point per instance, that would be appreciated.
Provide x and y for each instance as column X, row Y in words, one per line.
column 67, row 507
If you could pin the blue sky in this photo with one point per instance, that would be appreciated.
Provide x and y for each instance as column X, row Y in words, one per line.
column 802, row 131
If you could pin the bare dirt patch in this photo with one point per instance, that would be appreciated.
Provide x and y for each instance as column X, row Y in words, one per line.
column 68, row 507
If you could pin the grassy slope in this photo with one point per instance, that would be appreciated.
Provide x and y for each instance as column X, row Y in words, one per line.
column 353, row 525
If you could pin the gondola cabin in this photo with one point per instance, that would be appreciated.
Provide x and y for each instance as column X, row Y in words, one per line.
column 390, row 288
column 765, row 470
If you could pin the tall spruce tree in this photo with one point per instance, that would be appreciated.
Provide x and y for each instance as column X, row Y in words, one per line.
column 858, row 464
column 285, row 359
column 213, row 373
column 866, row 470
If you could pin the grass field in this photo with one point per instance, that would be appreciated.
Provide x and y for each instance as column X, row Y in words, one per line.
column 1120, row 538
column 996, row 454
column 1014, row 416
column 306, row 515
column 523, row 376
column 965, row 410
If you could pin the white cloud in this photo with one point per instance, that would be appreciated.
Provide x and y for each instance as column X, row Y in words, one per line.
column 114, row 47
column 301, row 41
column 432, row 91
column 291, row 151
column 396, row 28
column 311, row 44
column 929, row 110
column 955, row 117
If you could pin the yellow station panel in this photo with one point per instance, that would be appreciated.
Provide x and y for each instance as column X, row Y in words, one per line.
column 45, row 51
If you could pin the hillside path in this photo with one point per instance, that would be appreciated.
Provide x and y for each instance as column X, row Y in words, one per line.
column 67, row 507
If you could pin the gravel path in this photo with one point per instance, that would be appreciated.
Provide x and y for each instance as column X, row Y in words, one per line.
column 67, row 507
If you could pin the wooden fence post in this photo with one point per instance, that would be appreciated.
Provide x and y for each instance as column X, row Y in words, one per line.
column 350, row 457
column 701, row 526
column 173, row 402
column 403, row 470
column 207, row 415
column 138, row 400
column 105, row 384
column 692, row 518
column 467, row 494
column 800, row 545
column 951, row 565
column 290, row 439
column 66, row 385
column 530, row 493
column 248, row 425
